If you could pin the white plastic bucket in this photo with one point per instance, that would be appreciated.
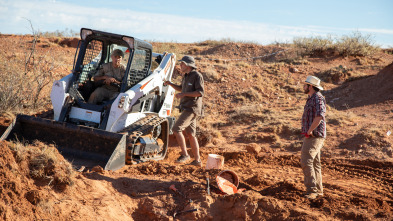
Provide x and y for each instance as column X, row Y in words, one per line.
column 214, row 161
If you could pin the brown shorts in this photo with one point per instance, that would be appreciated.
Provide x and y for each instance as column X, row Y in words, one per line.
column 186, row 121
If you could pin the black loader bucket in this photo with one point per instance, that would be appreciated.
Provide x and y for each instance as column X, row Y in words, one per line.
column 79, row 144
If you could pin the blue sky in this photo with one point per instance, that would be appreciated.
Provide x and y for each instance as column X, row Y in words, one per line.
column 192, row 21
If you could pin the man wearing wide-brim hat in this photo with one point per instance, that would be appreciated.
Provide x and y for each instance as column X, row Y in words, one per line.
column 314, row 131
column 191, row 93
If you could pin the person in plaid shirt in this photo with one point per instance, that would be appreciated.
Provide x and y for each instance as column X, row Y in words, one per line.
column 314, row 131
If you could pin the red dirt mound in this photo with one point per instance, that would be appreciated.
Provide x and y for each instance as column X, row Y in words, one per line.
column 235, row 51
column 366, row 91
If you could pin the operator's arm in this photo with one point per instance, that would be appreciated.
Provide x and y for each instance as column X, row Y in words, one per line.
column 314, row 124
column 101, row 75
column 176, row 87
column 107, row 79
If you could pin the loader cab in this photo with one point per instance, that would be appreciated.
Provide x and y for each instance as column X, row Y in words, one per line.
column 94, row 51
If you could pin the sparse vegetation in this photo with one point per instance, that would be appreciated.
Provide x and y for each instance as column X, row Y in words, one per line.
column 58, row 33
column 354, row 44
column 313, row 45
column 213, row 43
column 24, row 77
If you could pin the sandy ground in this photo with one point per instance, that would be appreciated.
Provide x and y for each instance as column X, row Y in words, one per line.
column 262, row 147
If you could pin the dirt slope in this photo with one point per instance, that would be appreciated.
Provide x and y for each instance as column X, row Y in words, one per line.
column 253, row 110
column 367, row 91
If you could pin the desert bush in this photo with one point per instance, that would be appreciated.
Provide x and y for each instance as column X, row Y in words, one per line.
column 312, row 45
column 356, row 44
column 58, row 33
column 24, row 77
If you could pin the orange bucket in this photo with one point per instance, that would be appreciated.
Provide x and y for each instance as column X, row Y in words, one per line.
column 227, row 181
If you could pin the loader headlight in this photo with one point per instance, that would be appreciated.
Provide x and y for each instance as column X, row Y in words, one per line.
column 122, row 101
column 85, row 33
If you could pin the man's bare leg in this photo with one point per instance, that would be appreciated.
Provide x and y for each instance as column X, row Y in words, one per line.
column 194, row 147
column 182, row 142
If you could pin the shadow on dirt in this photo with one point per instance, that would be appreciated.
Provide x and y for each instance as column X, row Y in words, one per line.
column 366, row 91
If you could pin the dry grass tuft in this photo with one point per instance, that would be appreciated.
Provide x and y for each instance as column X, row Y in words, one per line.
column 248, row 114
column 210, row 74
column 249, row 95
column 45, row 163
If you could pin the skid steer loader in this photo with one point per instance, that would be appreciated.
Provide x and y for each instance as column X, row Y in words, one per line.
column 135, row 126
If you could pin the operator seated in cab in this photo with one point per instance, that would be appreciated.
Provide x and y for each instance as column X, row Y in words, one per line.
column 110, row 75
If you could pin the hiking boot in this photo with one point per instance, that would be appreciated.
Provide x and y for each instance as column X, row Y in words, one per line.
column 183, row 159
column 196, row 163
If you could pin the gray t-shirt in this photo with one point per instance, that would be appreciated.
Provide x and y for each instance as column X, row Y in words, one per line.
column 192, row 81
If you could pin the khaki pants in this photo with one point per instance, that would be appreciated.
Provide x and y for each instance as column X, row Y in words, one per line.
column 311, row 164
column 100, row 94
column 186, row 120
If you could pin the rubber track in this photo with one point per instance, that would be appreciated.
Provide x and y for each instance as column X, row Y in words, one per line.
column 137, row 129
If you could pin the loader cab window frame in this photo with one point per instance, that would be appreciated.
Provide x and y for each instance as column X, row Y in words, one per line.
column 91, row 60
column 139, row 68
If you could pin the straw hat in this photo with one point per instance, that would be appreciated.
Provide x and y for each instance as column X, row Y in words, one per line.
column 314, row 81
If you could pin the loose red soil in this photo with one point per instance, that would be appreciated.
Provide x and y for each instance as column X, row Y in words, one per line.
column 357, row 162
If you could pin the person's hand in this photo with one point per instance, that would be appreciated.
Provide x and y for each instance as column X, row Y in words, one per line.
column 309, row 133
column 110, row 80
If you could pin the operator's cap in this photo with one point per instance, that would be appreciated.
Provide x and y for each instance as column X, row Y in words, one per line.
column 189, row 61
column 118, row 52
column 314, row 81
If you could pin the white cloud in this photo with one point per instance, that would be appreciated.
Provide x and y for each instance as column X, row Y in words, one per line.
column 51, row 15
